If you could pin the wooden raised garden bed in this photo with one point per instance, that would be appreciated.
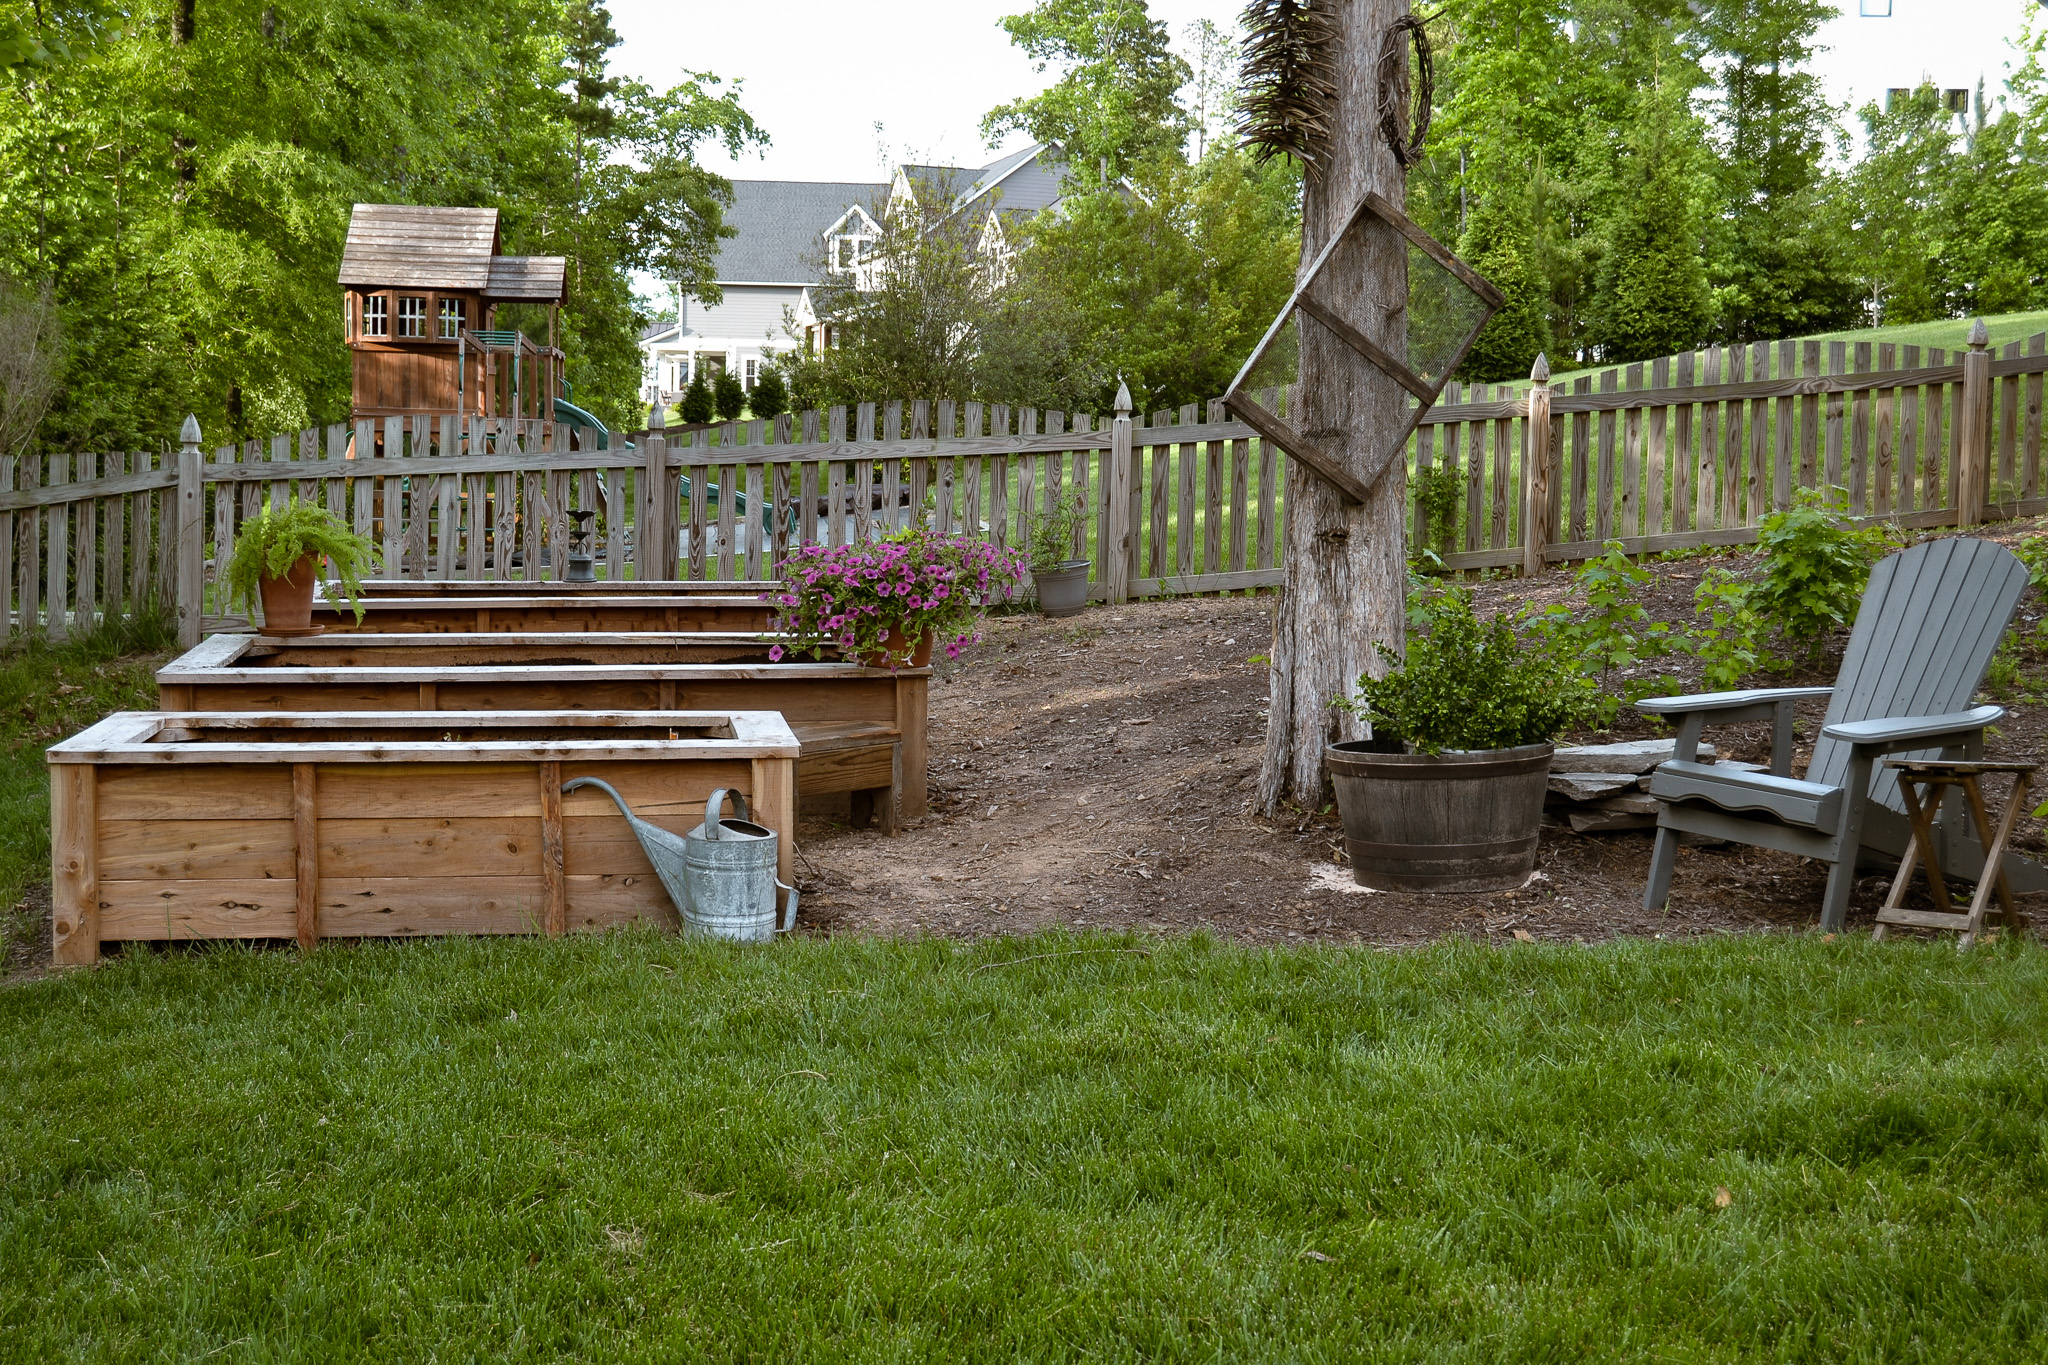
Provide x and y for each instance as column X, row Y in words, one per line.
column 862, row 729
column 551, row 612
column 175, row 827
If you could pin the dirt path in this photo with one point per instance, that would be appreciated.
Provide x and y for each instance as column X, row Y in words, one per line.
column 1097, row 772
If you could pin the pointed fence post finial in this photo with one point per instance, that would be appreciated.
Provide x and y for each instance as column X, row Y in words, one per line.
column 1123, row 398
column 1980, row 335
column 1539, row 373
column 189, row 433
column 657, row 416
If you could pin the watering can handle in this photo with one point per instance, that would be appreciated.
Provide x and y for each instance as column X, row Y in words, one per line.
column 712, row 807
column 789, row 908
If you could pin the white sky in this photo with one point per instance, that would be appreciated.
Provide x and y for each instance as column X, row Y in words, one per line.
column 819, row 74
column 1949, row 42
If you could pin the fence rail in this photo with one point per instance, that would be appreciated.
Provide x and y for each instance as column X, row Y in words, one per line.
column 1687, row 451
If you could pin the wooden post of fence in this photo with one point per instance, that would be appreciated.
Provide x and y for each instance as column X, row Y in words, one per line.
column 191, row 588
column 1536, row 465
column 654, row 543
column 1115, row 552
column 1973, row 441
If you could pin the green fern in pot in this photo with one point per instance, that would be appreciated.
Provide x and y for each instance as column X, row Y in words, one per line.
column 277, row 559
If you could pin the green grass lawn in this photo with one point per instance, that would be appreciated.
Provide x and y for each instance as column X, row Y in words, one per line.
column 637, row 1147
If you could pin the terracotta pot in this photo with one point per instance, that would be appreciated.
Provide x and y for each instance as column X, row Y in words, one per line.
column 890, row 657
column 288, row 601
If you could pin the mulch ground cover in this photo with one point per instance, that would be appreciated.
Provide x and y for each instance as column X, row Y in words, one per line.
column 1099, row 772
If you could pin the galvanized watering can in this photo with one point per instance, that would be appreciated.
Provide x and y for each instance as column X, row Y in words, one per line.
column 721, row 875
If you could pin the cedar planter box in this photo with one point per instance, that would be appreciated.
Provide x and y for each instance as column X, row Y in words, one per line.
column 547, row 612
column 863, row 730
column 555, row 587
column 176, row 827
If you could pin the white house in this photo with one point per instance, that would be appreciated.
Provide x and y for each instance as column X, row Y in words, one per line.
column 793, row 233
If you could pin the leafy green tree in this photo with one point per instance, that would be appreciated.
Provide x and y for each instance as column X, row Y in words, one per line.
column 727, row 396
column 1116, row 103
column 1893, row 196
column 696, row 406
column 183, row 182
column 1498, row 246
column 1168, row 290
column 770, row 397
column 1651, row 298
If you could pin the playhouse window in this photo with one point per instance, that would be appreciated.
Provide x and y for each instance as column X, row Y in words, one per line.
column 376, row 316
column 412, row 316
column 454, row 317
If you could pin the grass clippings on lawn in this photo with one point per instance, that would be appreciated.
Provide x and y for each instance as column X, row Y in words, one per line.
column 637, row 1147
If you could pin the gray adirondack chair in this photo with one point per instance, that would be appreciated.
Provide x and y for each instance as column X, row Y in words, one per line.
column 1930, row 621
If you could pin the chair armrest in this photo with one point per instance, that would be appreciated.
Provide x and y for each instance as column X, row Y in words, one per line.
column 1913, row 731
column 1774, row 704
column 1727, row 701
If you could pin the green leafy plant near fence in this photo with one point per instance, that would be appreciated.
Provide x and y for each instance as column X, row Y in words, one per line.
column 1816, row 561
column 1609, row 629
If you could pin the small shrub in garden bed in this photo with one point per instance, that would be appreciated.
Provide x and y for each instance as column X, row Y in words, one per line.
column 1471, row 684
column 880, row 597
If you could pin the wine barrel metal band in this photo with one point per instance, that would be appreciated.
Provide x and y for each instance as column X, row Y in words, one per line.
column 1439, row 853
column 1439, row 772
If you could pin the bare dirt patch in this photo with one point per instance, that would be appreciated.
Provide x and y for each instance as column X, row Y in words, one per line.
column 1098, row 773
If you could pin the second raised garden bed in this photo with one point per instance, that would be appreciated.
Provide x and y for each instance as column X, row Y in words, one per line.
column 863, row 730
column 546, row 612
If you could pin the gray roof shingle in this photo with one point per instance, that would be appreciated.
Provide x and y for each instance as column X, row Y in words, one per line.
column 781, row 225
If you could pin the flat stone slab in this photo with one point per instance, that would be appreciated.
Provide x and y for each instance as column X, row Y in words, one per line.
column 1586, row 820
column 1634, row 757
column 1590, row 786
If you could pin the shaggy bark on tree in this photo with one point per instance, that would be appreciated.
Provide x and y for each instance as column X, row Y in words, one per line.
column 1346, row 565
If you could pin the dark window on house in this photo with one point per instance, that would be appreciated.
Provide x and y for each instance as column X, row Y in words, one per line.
column 1956, row 101
column 376, row 316
column 454, row 317
column 1876, row 9
column 412, row 316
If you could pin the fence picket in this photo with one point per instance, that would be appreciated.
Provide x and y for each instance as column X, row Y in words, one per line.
column 1710, row 443
column 2030, row 454
column 1631, row 454
column 57, row 584
column 1658, row 456
column 1731, row 455
column 1838, row 363
column 1859, row 436
column 1758, row 483
column 2008, row 434
column 1269, row 476
column 1503, row 476
column 1809, row 418
column 1781, row 462
column 1886, row 405
column 30, row 530
column 1931, row 444
column 1581, row 479
column 10, row 621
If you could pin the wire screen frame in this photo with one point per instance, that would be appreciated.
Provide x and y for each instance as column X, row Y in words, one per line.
column 1272, row 428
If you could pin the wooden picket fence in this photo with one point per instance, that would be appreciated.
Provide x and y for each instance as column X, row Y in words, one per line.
column 1717, row 440
column 1688, row 451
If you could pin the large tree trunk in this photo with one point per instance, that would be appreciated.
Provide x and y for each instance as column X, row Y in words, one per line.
column 1346, row 565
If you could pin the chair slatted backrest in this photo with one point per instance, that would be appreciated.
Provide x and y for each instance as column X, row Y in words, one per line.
column 1931, row 619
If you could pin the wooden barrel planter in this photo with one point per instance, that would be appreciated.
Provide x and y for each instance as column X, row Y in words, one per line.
column 379, row 588
column 178, row 827
column 435, row 613
column 1456, row 821
column 862, row 730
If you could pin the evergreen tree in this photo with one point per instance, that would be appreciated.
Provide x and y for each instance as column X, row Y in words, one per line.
column 1497, row 245
column 1651, row 296
column 727, row 396
column 696, row 406
column 770, row 397
column 1782, row 265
